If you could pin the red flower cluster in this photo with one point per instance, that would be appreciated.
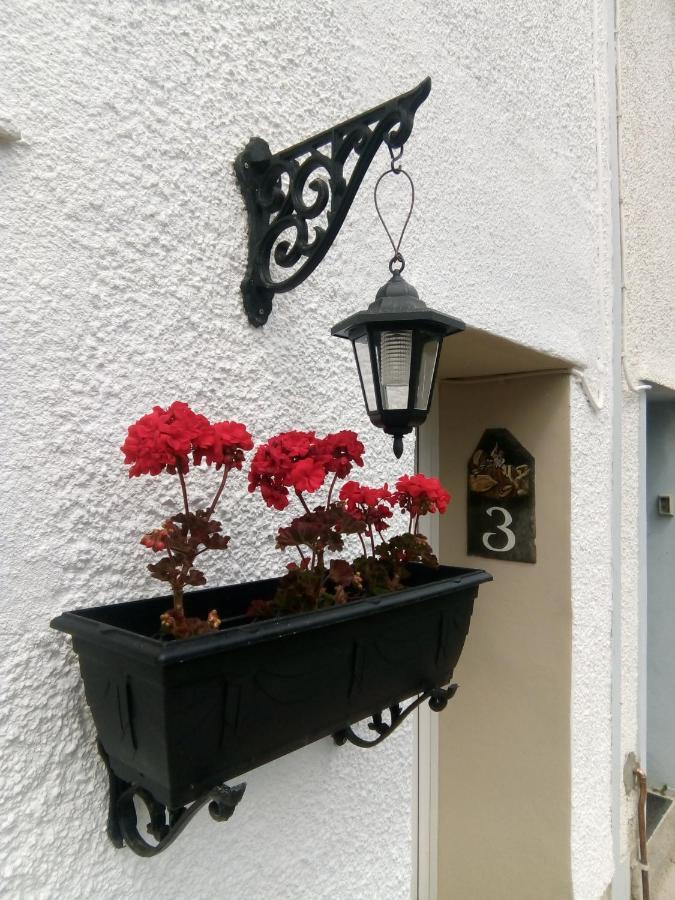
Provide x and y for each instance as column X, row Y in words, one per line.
column 367, row 504
column 341, row 451
column 163, row 440
column 419, row 495
column 223, row 444
column 300, row 460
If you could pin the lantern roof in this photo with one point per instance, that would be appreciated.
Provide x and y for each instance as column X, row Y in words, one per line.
column 397, row 303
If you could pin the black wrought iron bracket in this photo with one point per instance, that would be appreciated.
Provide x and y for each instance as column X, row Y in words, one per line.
column 275, row 187
column 165, row 824
column 438, row 700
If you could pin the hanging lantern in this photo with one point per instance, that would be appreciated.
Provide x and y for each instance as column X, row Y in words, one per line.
column 397, row 343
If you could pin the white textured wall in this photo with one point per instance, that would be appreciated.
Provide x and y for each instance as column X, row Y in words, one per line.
column 123, row 245
column 647, row 54
column 122, row 248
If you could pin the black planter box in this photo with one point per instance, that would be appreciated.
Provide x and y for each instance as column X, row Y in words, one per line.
column 180, row 717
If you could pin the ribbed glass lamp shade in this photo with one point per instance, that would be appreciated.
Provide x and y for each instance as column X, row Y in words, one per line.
column 397, row 343
column 394, row 368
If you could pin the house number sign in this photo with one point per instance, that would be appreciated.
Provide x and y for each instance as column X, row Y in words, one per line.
column 501, row 523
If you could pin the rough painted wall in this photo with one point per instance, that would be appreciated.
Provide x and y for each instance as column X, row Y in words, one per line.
column 121, row 254
column 631, row 498
column 592, row 860
column 123, row 244
column 647, row 51
column 646, row 48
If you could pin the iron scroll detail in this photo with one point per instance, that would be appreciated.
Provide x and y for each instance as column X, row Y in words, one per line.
column 275, row 188
column 438, row 700
column 165, row 825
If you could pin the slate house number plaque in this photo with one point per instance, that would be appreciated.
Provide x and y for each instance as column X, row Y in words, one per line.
column 501, row 521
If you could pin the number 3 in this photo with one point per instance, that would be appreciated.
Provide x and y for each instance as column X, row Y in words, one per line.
column 504, row 527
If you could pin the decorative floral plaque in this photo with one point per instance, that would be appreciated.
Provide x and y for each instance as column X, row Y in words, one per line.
column 501, row 523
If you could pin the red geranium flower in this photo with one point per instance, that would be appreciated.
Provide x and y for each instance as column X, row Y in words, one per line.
column 419, row 495
column 293, row 443
column 301, row 460
column 273, row 494
column 367, row 504
column 291, row 459
column 163, row 439
column 223, row 444
column 306, row 475
column 342, row 450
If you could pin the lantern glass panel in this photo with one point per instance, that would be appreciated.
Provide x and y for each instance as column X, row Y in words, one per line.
column 430, row 347
column 394, row 356
column 362, row 354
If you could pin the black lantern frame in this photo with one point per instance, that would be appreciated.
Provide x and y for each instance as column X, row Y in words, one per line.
column 398, row 323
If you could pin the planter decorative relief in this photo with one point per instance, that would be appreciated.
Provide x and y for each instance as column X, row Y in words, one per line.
column 176, row 719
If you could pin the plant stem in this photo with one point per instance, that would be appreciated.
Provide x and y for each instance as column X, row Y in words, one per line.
column 410, row 524
column 372, row 539
column 302, row 500
column 183, row 488
column 330, row 490
column 299, row 549
column 178, row 601
column 210, row 510
column 363, row 544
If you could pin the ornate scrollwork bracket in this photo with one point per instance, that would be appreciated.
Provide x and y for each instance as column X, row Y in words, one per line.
column 165, row 824
column 275, row 187
column 438, row 700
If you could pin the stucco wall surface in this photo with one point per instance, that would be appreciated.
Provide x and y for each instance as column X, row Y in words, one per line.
column 646, row 103
column 632, row 491
column 122, row 248
column 591, row 706
column 647, row 54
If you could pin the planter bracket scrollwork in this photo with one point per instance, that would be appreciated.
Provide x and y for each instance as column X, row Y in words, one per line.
column 438, row 700
column 165, row 824
column 298, row 198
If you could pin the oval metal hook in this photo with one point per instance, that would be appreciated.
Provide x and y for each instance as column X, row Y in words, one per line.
column 400, row 171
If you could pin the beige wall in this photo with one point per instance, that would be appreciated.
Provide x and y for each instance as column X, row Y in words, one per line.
column 504, row 752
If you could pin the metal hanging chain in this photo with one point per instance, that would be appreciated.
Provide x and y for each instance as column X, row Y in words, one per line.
column 395, row 170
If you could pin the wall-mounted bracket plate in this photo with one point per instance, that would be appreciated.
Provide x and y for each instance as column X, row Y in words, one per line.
column 275, row 188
